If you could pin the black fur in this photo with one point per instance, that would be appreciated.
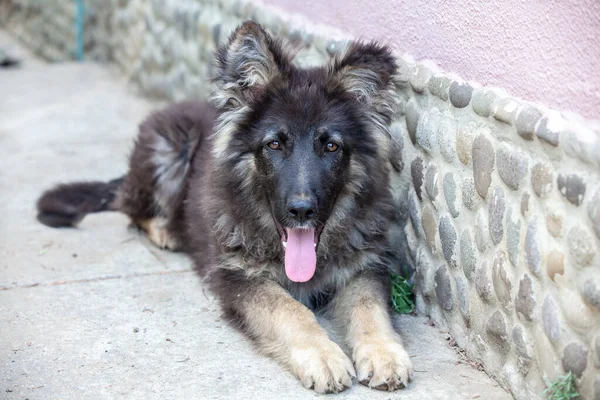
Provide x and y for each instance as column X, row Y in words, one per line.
column 226, row 197
column 67, row 204
column 215, row 210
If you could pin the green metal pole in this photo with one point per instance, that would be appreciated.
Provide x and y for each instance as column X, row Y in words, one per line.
column 79, row 22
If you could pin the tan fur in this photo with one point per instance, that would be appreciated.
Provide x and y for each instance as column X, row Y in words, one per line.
column 156, row 229
column 377, row 352
column 289, row 332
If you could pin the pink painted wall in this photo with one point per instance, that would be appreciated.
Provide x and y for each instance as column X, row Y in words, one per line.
column 547, row 51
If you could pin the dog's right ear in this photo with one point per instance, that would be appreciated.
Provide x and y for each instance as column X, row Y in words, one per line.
column 247, row 64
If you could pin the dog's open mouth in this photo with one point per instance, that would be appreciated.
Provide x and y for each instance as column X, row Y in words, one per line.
column 300, row 245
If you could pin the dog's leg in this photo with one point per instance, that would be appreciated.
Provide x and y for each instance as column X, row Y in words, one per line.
column 287, row 331
column 156, row 229
column 361, row 310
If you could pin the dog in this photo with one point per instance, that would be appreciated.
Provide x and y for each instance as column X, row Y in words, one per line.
column 280, row 193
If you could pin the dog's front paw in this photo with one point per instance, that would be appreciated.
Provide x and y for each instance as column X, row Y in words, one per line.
column 322, row 366
column 382, row 364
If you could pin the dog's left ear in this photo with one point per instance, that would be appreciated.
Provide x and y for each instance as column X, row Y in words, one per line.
column 365, row 70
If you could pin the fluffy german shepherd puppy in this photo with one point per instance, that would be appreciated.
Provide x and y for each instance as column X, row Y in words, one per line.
column 281, row 195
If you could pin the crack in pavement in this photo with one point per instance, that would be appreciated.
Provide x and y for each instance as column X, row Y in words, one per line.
column 97, row 279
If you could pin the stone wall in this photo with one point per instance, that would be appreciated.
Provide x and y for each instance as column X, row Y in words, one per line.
column 501, row 197
column 505, row 227
column 49, row 27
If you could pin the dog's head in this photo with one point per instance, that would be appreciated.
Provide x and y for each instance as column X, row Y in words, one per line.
column 304, row 138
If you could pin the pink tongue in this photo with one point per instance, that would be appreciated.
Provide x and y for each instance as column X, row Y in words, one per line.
column 300, row 254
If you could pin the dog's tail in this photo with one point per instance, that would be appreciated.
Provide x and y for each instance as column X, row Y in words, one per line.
column 65, row 205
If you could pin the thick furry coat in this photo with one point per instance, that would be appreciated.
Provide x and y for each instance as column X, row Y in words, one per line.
column 283, row 151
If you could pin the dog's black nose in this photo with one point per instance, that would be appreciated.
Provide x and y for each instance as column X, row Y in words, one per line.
column 301, row 209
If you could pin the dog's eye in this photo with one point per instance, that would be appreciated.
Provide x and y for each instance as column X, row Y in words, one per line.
column 332, row 147
column 274, row 145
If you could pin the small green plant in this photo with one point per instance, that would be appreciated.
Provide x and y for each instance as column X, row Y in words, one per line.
column 402, row 295
column 563, row 388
